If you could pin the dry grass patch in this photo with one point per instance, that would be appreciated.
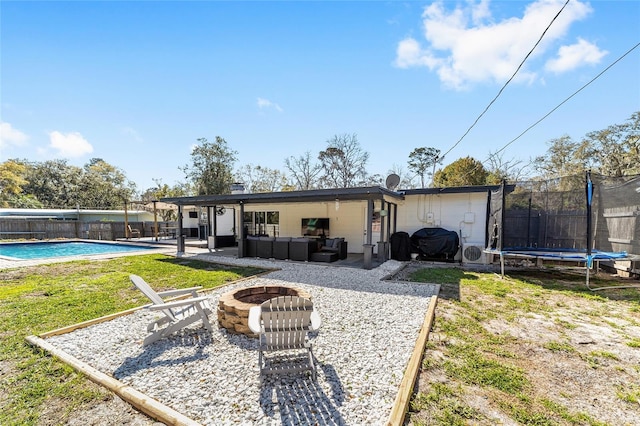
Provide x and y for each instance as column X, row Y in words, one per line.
column 536, row 348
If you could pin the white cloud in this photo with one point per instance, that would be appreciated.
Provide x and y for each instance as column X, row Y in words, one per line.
column 69, row 145
column 10, row 136
column 266, row 103
column 466, row 46
column 572, row 57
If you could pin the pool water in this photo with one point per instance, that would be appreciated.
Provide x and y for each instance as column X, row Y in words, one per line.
column 63, row 248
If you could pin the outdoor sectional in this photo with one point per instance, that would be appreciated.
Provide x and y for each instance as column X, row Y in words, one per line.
column 300, row 249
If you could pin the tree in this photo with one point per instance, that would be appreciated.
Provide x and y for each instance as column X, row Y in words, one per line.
column 304, row 172
column 212, row 168
column 406, row 180
column 162, row 190
column 374, row 180
column 422, row 162
column 564, row 157
column 261, row 179
column 616, row 149
column 12, row 181
column 54, row 183
column 104, row 186
column 499, row 169
column 343, row 162
column 463, row 172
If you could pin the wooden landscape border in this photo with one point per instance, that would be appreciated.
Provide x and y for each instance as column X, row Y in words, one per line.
column 401, row 404
column 169, row 416
column 151, row 407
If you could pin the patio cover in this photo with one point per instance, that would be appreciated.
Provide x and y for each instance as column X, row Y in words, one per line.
column 369, row 194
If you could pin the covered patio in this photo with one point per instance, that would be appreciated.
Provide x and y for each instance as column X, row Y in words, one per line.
column 364, row 217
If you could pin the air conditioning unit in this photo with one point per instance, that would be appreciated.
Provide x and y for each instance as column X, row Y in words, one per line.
column 473, row 253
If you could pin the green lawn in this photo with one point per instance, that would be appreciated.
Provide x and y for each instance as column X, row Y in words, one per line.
column 480, row 364
column 35, row 300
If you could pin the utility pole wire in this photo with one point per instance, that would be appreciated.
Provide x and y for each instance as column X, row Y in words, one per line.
column 557, row 106
column 508, row 81
column 566, row 100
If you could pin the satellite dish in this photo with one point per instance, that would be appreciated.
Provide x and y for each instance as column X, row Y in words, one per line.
column 393, row 180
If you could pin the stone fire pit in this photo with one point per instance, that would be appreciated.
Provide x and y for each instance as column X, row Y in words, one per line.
column 233, row 307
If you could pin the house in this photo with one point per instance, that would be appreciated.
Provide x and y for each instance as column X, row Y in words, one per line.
column 365, row 217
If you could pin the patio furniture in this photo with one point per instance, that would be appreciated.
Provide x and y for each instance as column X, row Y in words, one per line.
column 281, row 248
column 335, row 245
column 177, row 314
column 251, row 246
column 283, row 324
column 324, row 256
column 132, row 232
column 301, row 248
column 264, row 247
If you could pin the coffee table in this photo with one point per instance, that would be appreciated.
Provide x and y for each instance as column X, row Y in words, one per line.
column 324, row 256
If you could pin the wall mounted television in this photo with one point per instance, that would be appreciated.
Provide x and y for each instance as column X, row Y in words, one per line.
column 315, row 227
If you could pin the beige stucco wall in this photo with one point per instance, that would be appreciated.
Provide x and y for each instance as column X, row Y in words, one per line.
column 347, row 220
column 462, row 213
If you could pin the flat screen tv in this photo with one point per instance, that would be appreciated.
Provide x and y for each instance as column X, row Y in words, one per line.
column 315, row 227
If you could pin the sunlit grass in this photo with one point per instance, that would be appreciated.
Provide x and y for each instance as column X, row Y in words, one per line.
column 35, row 300
column 473, row 353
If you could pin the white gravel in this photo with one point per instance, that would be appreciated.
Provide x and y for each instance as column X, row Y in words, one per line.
column 369, row 329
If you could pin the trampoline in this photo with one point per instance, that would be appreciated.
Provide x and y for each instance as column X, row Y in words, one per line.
column 566, row 220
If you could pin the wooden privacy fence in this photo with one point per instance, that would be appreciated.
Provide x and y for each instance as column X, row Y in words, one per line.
column 40, row 229
column 548, row 229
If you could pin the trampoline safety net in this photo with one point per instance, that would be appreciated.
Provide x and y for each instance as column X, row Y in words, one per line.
column 581, row 212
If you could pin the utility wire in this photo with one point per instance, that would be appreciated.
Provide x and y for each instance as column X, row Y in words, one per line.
column 563, row 102
column 554, row 109
column 508, row 81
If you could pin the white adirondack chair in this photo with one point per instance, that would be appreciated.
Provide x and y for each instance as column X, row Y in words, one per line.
column 283, row 324
column 177, row 314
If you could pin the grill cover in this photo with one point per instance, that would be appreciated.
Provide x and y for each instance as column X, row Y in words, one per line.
column 435, row 242
column 400, row 246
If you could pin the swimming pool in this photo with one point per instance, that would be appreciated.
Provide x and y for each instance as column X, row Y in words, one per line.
column 25, row 251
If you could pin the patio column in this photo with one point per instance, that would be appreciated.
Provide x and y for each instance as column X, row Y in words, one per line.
column 368, row 247
column 180, row 235
column 241, row 239
column 212, row 213
column 382, row 243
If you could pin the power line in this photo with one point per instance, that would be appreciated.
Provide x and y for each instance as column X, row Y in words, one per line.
column 564, row 101
column 508, row 81
column 555, row 108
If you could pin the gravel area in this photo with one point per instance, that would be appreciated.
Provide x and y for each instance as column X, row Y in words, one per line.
column 369, row 329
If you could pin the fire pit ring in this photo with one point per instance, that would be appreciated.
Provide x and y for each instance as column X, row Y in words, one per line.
column 233, row 307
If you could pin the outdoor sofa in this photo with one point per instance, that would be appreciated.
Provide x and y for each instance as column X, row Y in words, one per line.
column 300, row 248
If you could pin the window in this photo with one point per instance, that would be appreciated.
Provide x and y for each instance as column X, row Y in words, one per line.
column 262, row 223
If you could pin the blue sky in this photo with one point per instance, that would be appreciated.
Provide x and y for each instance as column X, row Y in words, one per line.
column 137, row 83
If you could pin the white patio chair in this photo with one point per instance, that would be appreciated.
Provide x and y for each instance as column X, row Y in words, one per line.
column 177, row 314
column 283, row 324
